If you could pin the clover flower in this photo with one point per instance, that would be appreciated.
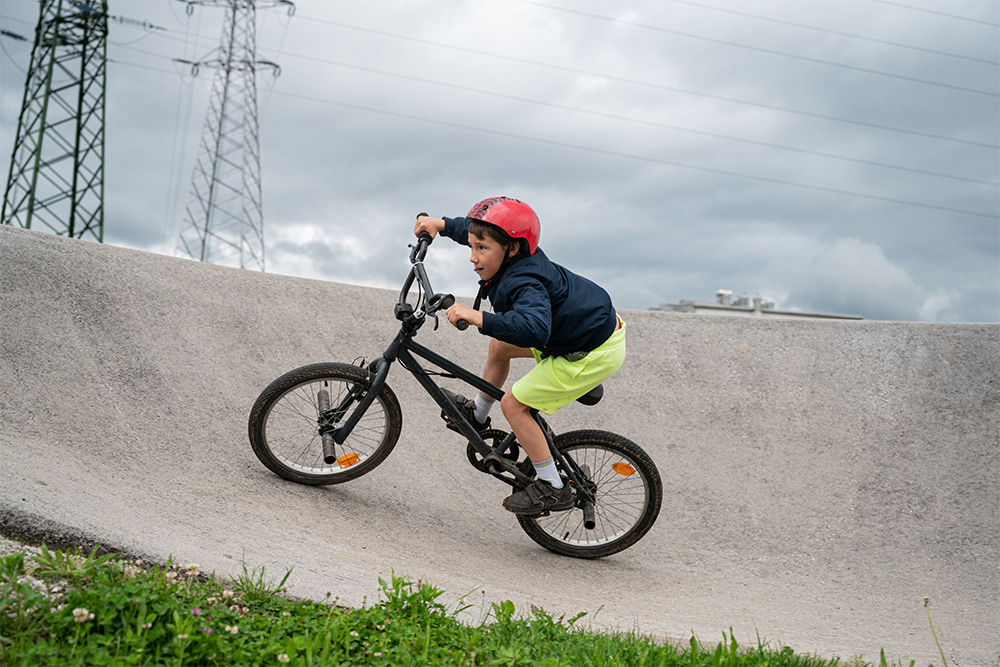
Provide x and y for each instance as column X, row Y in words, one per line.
column 81, row 615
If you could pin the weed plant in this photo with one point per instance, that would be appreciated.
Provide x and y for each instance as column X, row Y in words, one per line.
column 63, row 608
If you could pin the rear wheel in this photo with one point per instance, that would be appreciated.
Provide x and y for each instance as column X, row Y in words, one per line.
column 296, row 413
column 628, row 494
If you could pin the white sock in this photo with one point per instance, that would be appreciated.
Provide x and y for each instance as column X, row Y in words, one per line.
column 483, row 405
column 546, row 470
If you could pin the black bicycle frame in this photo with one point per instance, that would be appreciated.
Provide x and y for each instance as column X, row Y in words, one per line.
column 404, row 349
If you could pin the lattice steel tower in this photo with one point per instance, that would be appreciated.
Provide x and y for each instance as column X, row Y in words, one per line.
column 56, row 178
column 224, row 222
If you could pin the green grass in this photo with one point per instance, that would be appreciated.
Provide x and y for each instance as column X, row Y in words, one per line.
column 68, row 608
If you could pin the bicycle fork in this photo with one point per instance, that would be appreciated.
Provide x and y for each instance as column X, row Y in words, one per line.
column 364, row 394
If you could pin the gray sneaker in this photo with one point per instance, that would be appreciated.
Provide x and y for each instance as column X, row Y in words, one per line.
column 538, row 498
column 467, row 407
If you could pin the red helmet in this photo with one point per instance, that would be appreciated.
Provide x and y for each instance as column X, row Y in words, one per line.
column 511, row 215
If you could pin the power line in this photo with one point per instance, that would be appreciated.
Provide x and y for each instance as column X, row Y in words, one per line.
column 3, row 47
column 628, row 81
column 931, row 11
column 116, row 61
column 761, row 49
column 14, row 35
column 644, row 122
column 617, row 117
column 647, row 84
column 839, row 33
column 642, row 158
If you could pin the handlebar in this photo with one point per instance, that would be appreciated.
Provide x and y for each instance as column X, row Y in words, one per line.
column 431, row 301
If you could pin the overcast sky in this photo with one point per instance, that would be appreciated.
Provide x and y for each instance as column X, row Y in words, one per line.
column 831, row 155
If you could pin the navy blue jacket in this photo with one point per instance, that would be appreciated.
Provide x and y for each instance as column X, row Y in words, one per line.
column 540, row 304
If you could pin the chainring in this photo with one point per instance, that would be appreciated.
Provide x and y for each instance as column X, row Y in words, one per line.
column 493, row 437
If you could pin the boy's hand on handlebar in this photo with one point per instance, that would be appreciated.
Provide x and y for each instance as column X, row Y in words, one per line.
column 459, row 312
column 425, row 223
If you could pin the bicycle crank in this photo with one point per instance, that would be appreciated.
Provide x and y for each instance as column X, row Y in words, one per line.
column 492, row 437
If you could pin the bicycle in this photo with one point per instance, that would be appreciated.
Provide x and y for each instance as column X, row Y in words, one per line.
column 328, row 423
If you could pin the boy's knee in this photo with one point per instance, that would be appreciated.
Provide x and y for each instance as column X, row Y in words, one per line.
column 501, row 350
column 510, row 405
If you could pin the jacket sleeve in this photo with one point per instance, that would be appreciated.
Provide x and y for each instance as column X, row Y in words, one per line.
column 529, row 321
column 457, row 229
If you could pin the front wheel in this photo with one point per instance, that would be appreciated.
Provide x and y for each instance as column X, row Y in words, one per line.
column 296, row 413
column 628, row 494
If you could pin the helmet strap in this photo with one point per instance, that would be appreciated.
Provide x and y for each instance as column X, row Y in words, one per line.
column 484, row 286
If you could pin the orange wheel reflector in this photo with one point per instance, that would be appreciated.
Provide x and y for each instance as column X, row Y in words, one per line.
column 347, row 460
column 623, row 469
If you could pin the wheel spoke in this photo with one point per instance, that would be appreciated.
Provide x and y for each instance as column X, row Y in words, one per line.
column 627, row 498
column 286, row 421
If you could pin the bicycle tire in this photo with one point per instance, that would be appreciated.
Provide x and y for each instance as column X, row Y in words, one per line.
column 284, row 425
column 628, row 494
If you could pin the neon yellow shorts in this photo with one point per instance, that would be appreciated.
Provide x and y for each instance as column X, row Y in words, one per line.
column 555, row 382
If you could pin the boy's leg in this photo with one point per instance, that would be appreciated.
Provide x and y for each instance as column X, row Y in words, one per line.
column 551, row 384
column 498, row 360
column 529, row 433
column 549, row 493
column 496, row 371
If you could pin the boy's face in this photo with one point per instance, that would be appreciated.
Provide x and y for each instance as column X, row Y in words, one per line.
column 487, row 255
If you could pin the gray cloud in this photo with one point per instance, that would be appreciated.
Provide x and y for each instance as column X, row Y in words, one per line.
column 671, row 152
column 852, row 276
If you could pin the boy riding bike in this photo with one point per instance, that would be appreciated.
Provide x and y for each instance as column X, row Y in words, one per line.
column 541, row 310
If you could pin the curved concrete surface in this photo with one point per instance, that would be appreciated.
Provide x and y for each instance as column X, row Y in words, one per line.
column 821, row 477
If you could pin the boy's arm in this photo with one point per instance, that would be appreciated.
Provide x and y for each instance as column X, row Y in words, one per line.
column 457, row 229
column 527, row 324
column 425, row 223
column 459, row 312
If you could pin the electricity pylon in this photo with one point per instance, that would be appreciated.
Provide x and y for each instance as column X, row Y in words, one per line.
column 224, row 221
column 56, row 175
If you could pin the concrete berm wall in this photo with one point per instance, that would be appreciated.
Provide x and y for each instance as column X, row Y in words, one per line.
column 821, row 478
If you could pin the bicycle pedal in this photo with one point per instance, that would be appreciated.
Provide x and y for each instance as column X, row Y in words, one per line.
column 540, row 515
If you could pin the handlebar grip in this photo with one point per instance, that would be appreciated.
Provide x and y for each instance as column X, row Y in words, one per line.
column 422, row 213
column 462, row 325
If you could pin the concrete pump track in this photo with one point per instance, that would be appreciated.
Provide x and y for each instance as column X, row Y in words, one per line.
column 820, row 477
